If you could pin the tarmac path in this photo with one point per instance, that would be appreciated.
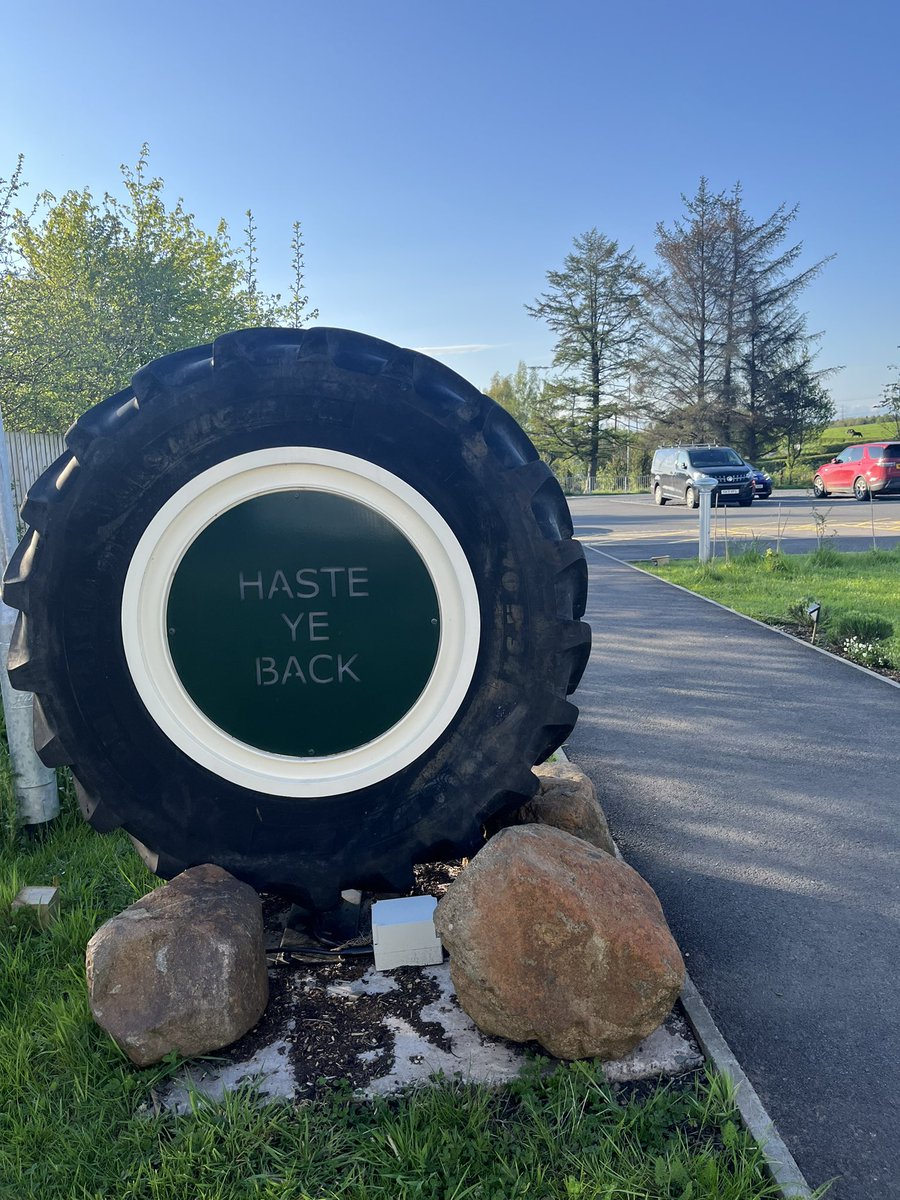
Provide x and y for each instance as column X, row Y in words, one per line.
column 755, row 783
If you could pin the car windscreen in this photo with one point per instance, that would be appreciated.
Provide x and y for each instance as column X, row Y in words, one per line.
column 892, row 452
column 716, row 456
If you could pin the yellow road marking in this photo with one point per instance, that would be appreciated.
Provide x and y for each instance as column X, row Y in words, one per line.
column 668, row 533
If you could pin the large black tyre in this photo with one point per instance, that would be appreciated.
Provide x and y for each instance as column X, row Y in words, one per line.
column 357, row 396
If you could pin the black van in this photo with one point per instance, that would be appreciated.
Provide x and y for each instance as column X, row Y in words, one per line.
column 676, row 468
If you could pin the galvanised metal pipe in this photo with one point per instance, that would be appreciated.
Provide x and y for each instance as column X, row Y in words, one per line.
column 37, row 797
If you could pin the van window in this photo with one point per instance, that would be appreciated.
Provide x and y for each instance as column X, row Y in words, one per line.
column 716, row 456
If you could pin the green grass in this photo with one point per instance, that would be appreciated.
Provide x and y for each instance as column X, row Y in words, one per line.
column 765, row 586
column 78, row 1122
column 872, row 429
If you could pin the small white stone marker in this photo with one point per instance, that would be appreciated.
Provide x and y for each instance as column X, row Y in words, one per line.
column 403, row 933
column 43, row 900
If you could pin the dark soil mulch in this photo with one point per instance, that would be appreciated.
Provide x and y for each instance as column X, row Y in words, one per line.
column 799, row 631
column 313, row 1010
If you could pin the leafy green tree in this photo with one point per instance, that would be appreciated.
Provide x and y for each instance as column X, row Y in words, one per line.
column 595, row 307
column 890, row 401
column 10, row 219
column 95, row 288
column 9, row 194
column 800, row 408
column 519, row 393
column 295, row 311
column 255, row 299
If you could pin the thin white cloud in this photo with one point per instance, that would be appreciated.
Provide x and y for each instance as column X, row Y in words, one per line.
column 473, row 349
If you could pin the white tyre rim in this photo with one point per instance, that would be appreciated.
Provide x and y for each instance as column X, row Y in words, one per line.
column 295, row 468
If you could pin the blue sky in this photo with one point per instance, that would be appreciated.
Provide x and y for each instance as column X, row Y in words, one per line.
column 442, row 157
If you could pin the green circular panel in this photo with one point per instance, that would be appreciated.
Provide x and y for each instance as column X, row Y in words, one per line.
column 303, row 623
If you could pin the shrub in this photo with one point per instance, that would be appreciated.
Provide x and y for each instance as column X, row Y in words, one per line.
column 797, row 612
column 867, row 654
column 825, row 556
column 862, row 627
column 775, row 561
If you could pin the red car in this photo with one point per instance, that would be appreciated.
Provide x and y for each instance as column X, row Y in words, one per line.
column 861, row 471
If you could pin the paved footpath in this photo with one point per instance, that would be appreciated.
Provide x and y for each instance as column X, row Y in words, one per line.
column 756, row 785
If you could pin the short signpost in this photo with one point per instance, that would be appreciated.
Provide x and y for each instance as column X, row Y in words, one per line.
column 301, row 604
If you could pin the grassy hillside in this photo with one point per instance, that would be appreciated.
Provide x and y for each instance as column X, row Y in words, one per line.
column 873, row 429
column 831, row 441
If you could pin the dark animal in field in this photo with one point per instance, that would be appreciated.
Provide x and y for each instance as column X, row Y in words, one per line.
column 855, row 433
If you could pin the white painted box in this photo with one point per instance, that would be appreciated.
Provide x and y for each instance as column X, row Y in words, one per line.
column 42, row 901
column 403, row 933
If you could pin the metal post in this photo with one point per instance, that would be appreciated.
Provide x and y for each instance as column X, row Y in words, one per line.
column 35, row 784
column 705, row 485
column 872, row 515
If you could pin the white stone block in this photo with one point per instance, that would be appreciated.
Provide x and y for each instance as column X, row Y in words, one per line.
column 42, row 901
column 403, row 933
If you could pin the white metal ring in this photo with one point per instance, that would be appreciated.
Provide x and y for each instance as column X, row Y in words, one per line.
column 295, row 468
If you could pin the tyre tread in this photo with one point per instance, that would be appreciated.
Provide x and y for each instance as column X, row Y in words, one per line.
column 17, row 581
column 47, row 491
column 48, row 743
column 90, row 437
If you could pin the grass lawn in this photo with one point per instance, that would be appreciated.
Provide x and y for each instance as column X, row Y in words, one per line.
column 765, row 586
column 873, row 430
column 77, row 1121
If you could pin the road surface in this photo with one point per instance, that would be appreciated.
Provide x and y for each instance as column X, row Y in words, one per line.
column 634, row 528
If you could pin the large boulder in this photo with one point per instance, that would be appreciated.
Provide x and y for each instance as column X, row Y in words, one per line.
column 552, row 940
column 567, row 800
column 184, row 968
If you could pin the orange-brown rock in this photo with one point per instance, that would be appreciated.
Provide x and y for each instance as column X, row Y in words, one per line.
column 183, row 969
column 567, row 800
column 555, row 941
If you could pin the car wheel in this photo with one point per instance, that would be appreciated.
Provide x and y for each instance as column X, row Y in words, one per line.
column 819, row 488
column 216, row 731
column 691, row 498
column 658, row 497
column 860, row 488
